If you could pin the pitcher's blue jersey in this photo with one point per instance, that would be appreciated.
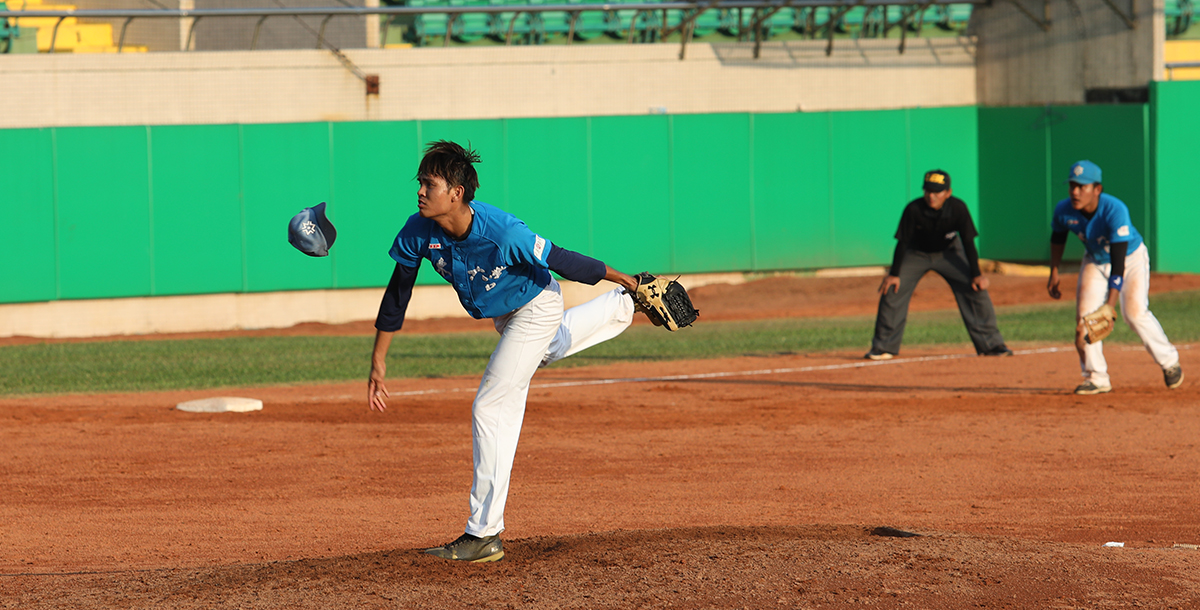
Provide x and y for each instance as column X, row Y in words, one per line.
column 497, row 268
column 1110, row 224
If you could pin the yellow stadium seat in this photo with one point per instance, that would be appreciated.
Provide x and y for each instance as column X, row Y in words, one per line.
column 1182, row 50
column 72, row 36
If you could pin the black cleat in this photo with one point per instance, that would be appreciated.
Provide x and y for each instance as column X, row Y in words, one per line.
column 1173, row 376
column 875, row 354
column 1001, row 350
column 1088, row 388
column 471, row 548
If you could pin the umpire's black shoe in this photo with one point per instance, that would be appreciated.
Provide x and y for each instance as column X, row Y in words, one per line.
column 471, row 548
column 875, row 354
column 1173, row 376
column 1001, row 350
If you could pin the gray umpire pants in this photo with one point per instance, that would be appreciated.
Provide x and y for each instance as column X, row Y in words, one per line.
column 975, row 307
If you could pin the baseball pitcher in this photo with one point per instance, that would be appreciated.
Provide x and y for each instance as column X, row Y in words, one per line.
column 500, row 269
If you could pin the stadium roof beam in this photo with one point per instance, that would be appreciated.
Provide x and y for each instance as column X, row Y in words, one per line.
column 1041, row 23
column 756, row 27
column 832, row 23
column 903, row 23
column 1130, row 19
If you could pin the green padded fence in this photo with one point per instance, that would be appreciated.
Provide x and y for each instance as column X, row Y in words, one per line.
column 1176, row 162
column 100, row 212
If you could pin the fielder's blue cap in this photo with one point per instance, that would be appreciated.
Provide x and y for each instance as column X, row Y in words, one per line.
column 311, row 232
column 1085, row 172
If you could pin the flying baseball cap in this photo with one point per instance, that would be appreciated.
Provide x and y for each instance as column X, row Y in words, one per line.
column 1085, row 172
column 936, row 181
column 311, row 232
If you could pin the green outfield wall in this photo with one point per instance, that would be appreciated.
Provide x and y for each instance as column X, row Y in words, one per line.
column 1176, row 162
column 107, row 212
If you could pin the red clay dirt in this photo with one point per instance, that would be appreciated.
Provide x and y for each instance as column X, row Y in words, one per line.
column 760, row 485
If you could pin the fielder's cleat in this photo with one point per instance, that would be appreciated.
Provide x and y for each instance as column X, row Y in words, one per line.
column 998, row 351
column 1173, row 376
column 471, row 548
column 875, row 354
column 1088, row 388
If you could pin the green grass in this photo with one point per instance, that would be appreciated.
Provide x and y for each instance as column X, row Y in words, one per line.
column 113, row 366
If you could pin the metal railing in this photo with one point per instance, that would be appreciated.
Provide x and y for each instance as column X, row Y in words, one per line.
column 692, row 10
column 1171, row 66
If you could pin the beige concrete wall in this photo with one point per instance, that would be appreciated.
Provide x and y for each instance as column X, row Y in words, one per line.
column 1087, row 46
column 472, row 83
column 215, row 312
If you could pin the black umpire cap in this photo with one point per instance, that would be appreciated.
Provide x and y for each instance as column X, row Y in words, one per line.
column 936, row 181
column 311, row 232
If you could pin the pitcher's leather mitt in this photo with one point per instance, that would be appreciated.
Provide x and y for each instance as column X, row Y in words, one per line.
column 1099, row 324
column 665, row 302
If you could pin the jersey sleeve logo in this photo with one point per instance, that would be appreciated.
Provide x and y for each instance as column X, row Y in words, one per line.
column 539, row 245
column 435, row 246
column 1123, row 231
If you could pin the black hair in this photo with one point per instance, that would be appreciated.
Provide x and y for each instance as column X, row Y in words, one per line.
column 451, row 163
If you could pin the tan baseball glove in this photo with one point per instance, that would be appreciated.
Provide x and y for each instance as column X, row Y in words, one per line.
column 665, row 302
column 1097, row 325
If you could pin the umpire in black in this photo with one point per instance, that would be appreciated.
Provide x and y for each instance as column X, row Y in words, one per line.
column 936, row 233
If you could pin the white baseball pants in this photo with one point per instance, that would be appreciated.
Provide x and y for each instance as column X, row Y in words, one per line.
column 534, row 335
column 1092, row 292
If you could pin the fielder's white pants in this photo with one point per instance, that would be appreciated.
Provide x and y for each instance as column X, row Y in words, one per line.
column 1092, row 292
column 536, row 334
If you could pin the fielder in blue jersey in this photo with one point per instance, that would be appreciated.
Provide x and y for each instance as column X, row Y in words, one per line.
column 500, row 269
column 1115, row 268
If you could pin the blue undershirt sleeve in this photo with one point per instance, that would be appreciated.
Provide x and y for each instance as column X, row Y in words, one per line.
column 575, row 266
column 396, row 298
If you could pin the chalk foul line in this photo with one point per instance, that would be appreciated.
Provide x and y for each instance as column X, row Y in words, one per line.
column 753, row 373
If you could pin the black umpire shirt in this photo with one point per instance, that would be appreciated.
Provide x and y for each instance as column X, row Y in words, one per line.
column 927, row 230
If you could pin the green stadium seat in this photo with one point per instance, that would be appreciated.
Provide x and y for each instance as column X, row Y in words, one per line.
column 782, row 21
column 524, row 26
column 426, row 26
column 1179, row 16
column 708, row 22
column 8, row 32
column 951, row 17
column 551, row 24
column 590, row 24
column 645, row 25
column 852, row 19
column 810, row 20
column 469, row 27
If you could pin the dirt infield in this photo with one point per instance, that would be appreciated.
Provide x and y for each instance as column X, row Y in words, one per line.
column 761, row 485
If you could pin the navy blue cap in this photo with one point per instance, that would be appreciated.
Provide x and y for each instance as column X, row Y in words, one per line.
column 1085, row 172
column 311, row 232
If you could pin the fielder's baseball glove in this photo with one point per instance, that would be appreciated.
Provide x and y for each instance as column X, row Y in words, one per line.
column 665, row 302
column 1099, row 324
